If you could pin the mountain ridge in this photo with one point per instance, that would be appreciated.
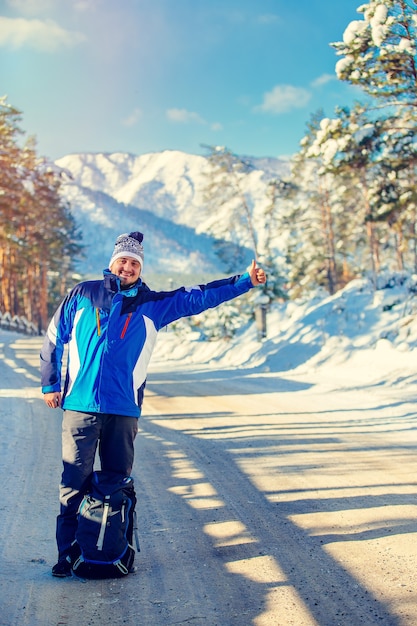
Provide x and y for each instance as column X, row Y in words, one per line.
column 159, row 193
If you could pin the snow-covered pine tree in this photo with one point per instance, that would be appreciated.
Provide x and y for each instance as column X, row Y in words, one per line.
column 361, row 186
column 397, row 183
column 234, row 223
column 347, row 147
column 379, row 54
column 379, row 51
column 364, row 165
column 229, row 206
column 315, row 220
column 277, row 192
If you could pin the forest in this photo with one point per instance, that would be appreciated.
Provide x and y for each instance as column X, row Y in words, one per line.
column 354, row 211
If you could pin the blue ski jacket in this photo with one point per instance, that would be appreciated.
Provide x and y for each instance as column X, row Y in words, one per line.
column 111, row 333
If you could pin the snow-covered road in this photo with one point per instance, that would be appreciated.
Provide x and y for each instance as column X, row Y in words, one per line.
column 271, row 499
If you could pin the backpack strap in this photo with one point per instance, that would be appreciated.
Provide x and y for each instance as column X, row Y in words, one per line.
column 100, row 540
column 78, row 562
column 121, row 567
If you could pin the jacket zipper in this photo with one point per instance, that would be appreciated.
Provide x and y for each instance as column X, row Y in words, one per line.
column 125, row 326
column 98, row 322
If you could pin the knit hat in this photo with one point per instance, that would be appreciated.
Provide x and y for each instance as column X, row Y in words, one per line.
column 129, row 245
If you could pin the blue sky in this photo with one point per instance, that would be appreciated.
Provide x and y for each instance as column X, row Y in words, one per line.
column 148, row 75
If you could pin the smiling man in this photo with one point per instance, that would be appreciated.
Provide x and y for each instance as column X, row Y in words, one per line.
column 127, row 259
column 110, row 327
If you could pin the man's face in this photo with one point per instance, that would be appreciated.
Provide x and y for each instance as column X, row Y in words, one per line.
column 127, row 269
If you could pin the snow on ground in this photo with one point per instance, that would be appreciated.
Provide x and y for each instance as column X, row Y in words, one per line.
column 360, row 334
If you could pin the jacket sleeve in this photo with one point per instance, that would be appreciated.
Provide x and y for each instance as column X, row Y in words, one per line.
column 57, row 335
column 193, row 300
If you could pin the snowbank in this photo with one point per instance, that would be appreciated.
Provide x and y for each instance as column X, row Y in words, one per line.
column 361, row 333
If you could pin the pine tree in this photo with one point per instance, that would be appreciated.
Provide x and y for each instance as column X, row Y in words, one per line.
column 234, row 223
column 234, row 228
column 11, row 191
column 379, row 51
column 356, row 172
column 50, row 234
column 278, row 190
column 314, row 216
column 38, row 235
column 397, row 191
column 379, row 55
column 347, row 145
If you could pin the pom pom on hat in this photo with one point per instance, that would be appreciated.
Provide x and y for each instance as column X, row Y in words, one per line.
column 128, row 245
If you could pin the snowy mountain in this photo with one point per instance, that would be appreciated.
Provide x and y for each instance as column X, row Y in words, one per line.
column 160, row 194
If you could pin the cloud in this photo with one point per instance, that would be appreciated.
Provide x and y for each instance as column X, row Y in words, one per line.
column 183, row 116
column 284, row 98
column 133, row 118
column 45, row 35
column 323, row 80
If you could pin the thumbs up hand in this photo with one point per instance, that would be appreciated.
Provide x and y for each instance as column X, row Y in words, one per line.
column 257, row 274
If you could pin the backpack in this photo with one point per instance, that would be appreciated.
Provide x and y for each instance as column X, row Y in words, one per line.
column 106, row 520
